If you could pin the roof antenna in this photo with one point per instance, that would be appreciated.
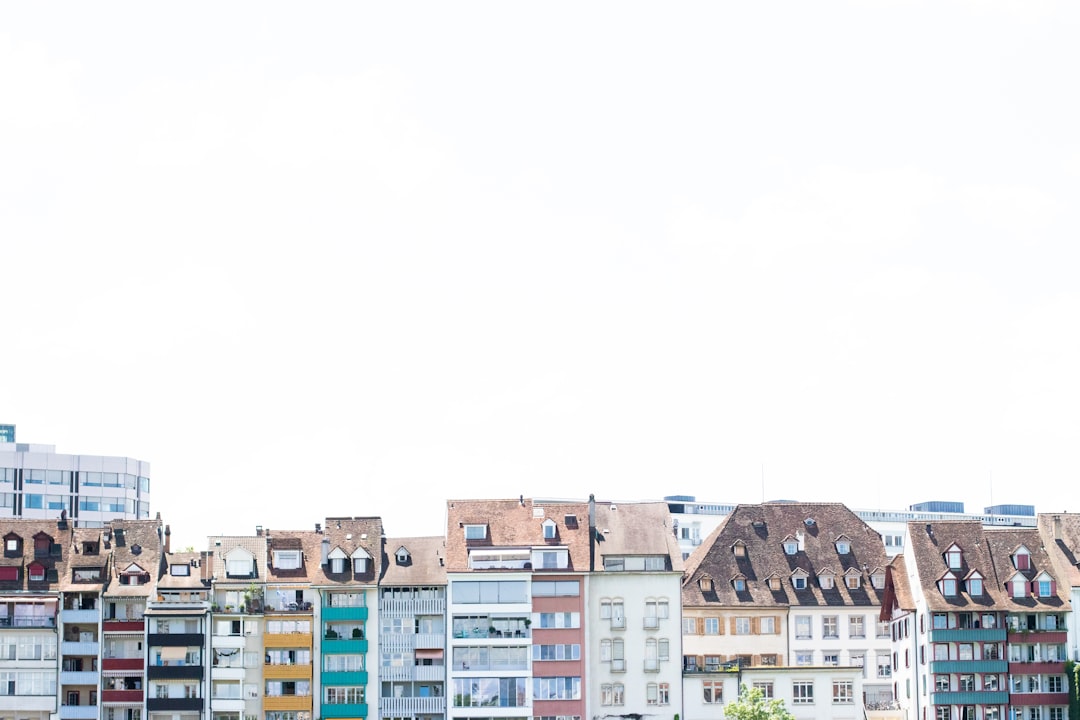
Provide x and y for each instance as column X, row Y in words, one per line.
column 762, row 483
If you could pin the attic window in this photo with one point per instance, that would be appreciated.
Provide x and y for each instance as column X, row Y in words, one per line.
column 954, row 557
column 739, row 549
column 549, row 529
column 843, row 547
column 809, row 522
column 739, row 584
column 853, row 581
column 37, row 573
column 402, row 556
column 798, row 581
column 360, row 565
column 790, row 547
column 878, row 580
column 475, row 532
column 13, row 545
column 1022, row 559
column 826, row 581
column 705, row 584
column 287, row 559
column 180, row 570
column 1018, row 586
column 774, row 583
column 337, row 565
column 89, row 548
column 975, row 585
column 79, row 574
column 947, row 585
column 570, row 521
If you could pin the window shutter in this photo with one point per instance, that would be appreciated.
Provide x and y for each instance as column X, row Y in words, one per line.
column 720, row 625
column 755, row 660
column 755, row 626
column 731, row 621
column 776, row 626
column 700, row 626
column 1053, row 587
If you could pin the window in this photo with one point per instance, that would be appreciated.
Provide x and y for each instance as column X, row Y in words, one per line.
column 549, row 529
column 766, row 689
column 798, row 582
column 1045, row 588
column 975, row 586
column 768, row 660
column 712, row 626
column 559, row 620
column 1021, row 559
column 705, row 584
column 853, row 581
column 843, row 692
column 664, row 695
column 790, row 547
column 802, row 627
column 612, row 694
column 857, row 626
column 287, row 559
column 804, row 658
column 739, row 584
column 618, row 615
column 742, row 626
column 965, row 651
column 712, row 692
column 941, row 683
column 37, row 573
column 831, row 659
column 768, row 625
column 652, row 694
column 475, row 532
column 882, row 629
column 1057, row 713
column 826, row 581
column 558, row 652
column 802, row 692
column 953, row 558
column 1018, row 586
column 830, row 626
column 948, row 586
column 689, row 626
column 942, row 712
column 557, row 688
column 941, row 621
column 967, row 683
column 941, row 651
column 1053, row 684
column 990, row 682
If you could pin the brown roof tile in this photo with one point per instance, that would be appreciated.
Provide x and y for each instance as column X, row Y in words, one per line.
column 762, row 529
column 426, row 564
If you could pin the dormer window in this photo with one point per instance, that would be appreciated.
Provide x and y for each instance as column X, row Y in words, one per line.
column 798, row 580
column 954, row 557
column 37, row 573
column 89, row 548
column 1018, row 586
column 287, row 559
column 843, row 546
column 826, row 581
column 739, row 584
column 402, row 556
column 1044, row 586
column 239, row 563
column 853, row 579
column 739, row 549
column 12, row 545
column 1022, row 558
column 549, row 529
column 180, row 570
column 705, row 584
column 360, row 559
column 878, row 580
column 475, row 532
column 337, row 558
column 975, row 585
column 947, row 585
column 791, row 547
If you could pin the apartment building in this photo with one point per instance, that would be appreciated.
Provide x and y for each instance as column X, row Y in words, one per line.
column 412, row 630
column 787, row 597
column 979, row 624
column 633, row 605
column 515, row 590
column 38, row 482
column 33, row 561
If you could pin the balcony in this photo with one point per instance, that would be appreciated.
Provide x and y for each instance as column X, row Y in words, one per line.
column 33, row 621
column 1048, row 667
column 650, row 622
column 174, row 672
column 402, row 608
column 985, row 697
column 429, row 641
column 938, row 635
column 178, row 704
column 128, row 626
column 227, row 704
column 968, row 666
column 355, row 677
column 83, row 617
column 404, row 706
column 78, row 712
column 349, row 645
column 652, row 666
column 175, row 639
column 1030, row 637
column 330, row 614
column 429, row 672
column 79, row 677
column 618, row 666
column 79, row 648
column 135, row 664
column 345, row 711
column 121, row 696
column 287, row 672
column 1037, row 699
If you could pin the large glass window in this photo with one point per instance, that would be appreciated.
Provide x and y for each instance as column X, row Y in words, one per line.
column 490, row 692
column 493, row 592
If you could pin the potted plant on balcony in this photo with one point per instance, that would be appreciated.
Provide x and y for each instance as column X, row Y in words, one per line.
column 331, row 634
column 357, row 634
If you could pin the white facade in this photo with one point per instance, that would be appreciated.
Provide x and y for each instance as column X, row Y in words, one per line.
column 629, row 607
column 38, row 482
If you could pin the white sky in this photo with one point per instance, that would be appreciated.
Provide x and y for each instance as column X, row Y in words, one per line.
column 349, row 258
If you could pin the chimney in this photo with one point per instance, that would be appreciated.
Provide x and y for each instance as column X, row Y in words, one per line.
column 318, row 527
column 168, row 539
column 258, row 531
column 801, row 540
column 592, row 532
column 325, row 550
column 1057, row 527
column 521, row 499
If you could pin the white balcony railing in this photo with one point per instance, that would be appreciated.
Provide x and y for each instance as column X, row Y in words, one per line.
column 618, row 666
column 650, row 622
column 412, row 705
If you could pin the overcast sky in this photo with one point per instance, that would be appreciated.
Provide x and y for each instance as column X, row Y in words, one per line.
column 354, row 259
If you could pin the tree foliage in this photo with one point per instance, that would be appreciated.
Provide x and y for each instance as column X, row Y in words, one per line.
column 752, row 705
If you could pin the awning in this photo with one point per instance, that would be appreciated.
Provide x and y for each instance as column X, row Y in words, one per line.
column 29, row 598
column 173, row 653
column 433, row 653
column 138, row 672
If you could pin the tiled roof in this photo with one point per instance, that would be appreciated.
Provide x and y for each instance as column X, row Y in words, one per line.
column 348, row 534
column 630, row 529
column 194, row 580
column 1062, row 536
column 56, row 566
column 516, row 523
column 897, row 589
column 1003, row 542
column 426, row 564
column 222, row 545
column 762, row 529
column 136, row 533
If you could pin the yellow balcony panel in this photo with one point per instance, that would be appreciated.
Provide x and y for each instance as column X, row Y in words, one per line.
column 288, row 672
column 290, row 640
column 287, row 702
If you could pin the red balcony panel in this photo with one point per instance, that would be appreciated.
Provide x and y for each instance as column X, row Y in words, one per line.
column 135, row 664
column 1030, row 699
column 121, row 696
column 124, row 625
column 1036, row 668
column 1056, row 637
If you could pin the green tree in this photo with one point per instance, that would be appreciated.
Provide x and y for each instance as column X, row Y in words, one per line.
column 752, row 705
